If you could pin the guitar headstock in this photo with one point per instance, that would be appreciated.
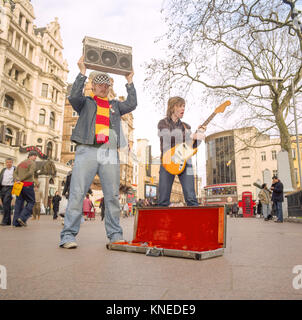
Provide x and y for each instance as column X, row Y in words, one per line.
column 222, row 107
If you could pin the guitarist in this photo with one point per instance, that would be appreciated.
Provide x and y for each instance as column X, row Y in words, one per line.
column 173, row 131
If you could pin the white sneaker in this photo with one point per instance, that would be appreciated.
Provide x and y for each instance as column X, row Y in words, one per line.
column 69, row 245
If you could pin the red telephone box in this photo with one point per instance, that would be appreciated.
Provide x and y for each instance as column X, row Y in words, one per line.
column 247, row 204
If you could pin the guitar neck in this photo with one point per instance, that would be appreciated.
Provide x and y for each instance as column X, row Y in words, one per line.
column 210, row 118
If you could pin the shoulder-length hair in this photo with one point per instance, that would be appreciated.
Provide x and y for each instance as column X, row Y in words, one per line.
column 172, row 102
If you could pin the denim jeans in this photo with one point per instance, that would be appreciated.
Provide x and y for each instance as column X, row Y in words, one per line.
column 265, row 210
column 6, row 198
column 90, row 161
column 279, row 212
column 27, row 194
column 186, row 179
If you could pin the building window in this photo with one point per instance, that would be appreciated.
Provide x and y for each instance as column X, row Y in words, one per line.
column 245, row 158
column 274, row 155
column 44, row 92
column 52, row 120
column 26, row 25
column 74, row 114
column 49, row 150
column 246, row 176
column 246, row 167
column 246, row 185
column 20, row 20
column 296, row 175
column 42, row 116
column 71, row 128
column 16, row 75
column 263, row 156
column 275, row 173
column 72, row 147
column 8, row 102
column 294, row 154
column 9, row 136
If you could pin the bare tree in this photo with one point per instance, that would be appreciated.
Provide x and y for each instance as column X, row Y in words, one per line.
column 245, row 50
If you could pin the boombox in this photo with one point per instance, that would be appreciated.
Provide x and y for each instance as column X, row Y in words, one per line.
column 107, row 56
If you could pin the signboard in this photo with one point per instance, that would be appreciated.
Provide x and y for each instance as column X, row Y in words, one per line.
column 33, row 148
column 150, row 191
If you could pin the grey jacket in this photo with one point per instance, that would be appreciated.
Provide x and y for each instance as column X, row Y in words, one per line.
column 85, row 106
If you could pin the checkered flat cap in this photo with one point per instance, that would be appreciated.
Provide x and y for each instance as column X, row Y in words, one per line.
column 100, row 78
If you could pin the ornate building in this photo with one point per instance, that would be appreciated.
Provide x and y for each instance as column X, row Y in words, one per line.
column 33, row 77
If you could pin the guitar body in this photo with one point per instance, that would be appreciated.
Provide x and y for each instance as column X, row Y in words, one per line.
column 175, row 159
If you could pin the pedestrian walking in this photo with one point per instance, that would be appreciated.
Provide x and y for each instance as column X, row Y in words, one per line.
column 6, row 186
column 87, row 206
column 125, row 210
column 234, row 209
column 98, row 135
column 25, row 173
column 277, row 197
column 102, row 207
column 264, row 198
column 56, row 205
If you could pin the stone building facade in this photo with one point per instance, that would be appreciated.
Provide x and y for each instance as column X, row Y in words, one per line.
column 33, row 78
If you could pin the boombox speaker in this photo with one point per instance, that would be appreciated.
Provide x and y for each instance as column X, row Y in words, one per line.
column 107, row 56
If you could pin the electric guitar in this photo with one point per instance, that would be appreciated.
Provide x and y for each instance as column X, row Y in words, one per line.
column 174, row 160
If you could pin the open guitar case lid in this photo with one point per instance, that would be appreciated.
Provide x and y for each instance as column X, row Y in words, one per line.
column 186, row 232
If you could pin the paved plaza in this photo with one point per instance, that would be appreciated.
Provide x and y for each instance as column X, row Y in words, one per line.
column 257, row 263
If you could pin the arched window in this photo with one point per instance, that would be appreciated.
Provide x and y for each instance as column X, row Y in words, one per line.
column 49, row 150
column 8, row 102
column 9, row 136
column 42, row 115
column 52, row 120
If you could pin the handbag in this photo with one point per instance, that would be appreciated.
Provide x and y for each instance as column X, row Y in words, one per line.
column 17, row 187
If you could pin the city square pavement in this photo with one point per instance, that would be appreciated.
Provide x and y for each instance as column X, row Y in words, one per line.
column 257, row 264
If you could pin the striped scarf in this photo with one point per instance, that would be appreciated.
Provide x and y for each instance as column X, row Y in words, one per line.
column 102, row 120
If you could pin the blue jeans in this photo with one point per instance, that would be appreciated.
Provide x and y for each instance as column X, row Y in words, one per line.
column 27, row 194
column 186, row 179
column 265, row 210
column 90, row 161
column 6, row 198
column 279, row 212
